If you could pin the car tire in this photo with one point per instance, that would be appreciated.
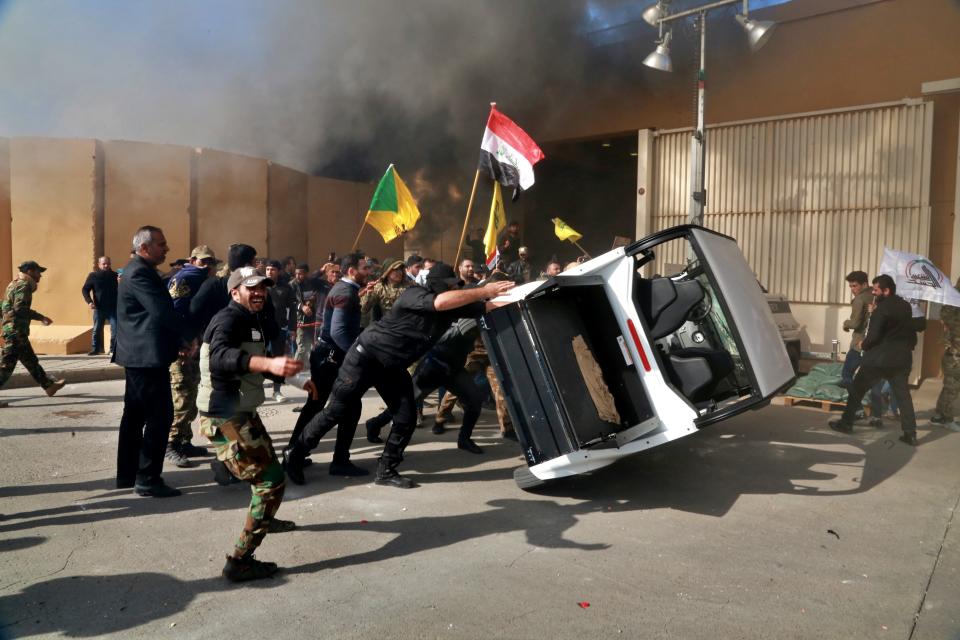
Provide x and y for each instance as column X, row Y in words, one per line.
column 526, row 480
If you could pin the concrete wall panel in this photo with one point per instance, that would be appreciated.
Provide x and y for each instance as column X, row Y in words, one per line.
column 335, row 212
column 146, row 184
column 6, row 248
column 231, row 201
column 53, row 195
column 286, row 213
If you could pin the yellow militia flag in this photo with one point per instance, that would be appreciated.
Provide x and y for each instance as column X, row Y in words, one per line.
column 393, row 210
column 498, row 222
column 564, row 231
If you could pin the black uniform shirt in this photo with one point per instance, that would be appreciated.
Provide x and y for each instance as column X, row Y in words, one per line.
column 411, row 327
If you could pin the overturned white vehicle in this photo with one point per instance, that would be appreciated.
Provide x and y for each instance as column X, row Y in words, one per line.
column 614, row 357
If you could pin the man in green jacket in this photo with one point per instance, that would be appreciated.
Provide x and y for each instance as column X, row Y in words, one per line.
column 17, row 315
column 856, row 323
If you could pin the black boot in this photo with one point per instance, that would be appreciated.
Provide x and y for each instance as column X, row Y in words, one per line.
column 909, row 437
column 387, row 475
column 222, row 475
column 468, row 445
column 841, row 426
column 247, row 568
column 373, row 431
column 293, row 465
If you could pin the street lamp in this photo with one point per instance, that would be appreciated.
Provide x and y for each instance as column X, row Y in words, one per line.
column 758, row 32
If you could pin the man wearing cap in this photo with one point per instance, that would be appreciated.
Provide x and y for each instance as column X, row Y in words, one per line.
column 521, row 270
column 185, row 370
column 16, row 318
column 150, row 336
column 232, row 368
column 100, row 293
column 379, row 358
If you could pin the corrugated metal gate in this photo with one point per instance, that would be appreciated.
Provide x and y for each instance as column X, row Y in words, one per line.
column 809, row 197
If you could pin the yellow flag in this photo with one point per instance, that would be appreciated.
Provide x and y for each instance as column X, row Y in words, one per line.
column 393, row 211
column 498, row 222
column 564, row 231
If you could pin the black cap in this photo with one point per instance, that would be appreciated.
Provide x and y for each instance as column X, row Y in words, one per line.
column 442, row 278
column 31, row 264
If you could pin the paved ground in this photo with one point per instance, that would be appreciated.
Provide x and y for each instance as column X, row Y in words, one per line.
column 73, row 369
column 766, row 526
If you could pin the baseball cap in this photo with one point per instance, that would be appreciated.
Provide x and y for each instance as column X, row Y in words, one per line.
column 442, row 278
column 202, row 251
column 248, row 277
column 31, row 264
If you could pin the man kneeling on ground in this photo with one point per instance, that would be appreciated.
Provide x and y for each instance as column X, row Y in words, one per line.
column 232, row 368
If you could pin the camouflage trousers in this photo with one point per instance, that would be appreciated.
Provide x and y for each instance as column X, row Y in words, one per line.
column 951, row 384
column 184, row 383
column 305, row 340
column 244, row 446
column 503, row 416
column 18, row 348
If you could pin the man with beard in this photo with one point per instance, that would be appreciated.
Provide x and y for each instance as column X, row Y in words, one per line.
column 890, row 338
column 232, row 366
column 380, row 357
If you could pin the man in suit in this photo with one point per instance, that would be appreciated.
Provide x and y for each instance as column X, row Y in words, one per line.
column 150, row 337
column 890, row 338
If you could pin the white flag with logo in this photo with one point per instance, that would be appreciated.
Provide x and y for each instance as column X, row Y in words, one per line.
column 918, row 278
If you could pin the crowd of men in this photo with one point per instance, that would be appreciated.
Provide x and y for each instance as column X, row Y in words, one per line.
column 203, row 339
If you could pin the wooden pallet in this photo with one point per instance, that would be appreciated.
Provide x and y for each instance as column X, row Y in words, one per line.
column 816, row 403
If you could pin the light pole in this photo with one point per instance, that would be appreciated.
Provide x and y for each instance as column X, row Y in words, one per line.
column 758, row 32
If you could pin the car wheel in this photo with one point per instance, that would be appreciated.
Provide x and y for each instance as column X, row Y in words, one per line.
column 526, row 480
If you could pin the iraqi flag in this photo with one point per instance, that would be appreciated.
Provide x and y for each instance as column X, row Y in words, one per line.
column 507, row 153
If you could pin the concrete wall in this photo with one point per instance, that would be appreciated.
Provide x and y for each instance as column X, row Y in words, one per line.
column 54, row 202
column 287, row 203
column 231, row 201
column 146, row 184
column 6, row 248
column 336, row 210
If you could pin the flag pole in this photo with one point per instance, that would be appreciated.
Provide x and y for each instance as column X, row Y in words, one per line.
column 466, row 219
column 357, row 241
column 581, row 248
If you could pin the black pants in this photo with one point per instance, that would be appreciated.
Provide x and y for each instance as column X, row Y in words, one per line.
column 357, row 374
column 145, row 425
column 323, row 372
column 868, row 376
column 431, row 375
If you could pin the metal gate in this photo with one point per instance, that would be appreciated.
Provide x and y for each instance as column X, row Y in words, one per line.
column 809, row 197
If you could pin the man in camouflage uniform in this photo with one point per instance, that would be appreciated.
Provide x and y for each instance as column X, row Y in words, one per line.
column 944, row 413
column 232, row 368
column 185, row 370
column 16, row 318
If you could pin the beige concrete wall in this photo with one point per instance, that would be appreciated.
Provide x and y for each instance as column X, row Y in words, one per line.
column 146, row 184
column 286, row 213
column 336, row 210
column 231, row 201
column 6, row 248
column 54, row 199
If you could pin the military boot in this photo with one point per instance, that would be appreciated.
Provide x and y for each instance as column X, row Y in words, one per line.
column 247, row 568
column 909, row 437
column 939, row 418
column 175, row 455
column 55, row 386
column 387, row 475
column 293, row 464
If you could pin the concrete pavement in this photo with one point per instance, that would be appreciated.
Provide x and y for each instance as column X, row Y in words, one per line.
column 766, row 526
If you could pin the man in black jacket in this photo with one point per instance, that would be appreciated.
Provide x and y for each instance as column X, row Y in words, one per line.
column 233, row 362
column 100, row 293
column 150, row 336
column 887, row 346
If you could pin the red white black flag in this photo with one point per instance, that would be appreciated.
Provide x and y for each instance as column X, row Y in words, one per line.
column 507, row 153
